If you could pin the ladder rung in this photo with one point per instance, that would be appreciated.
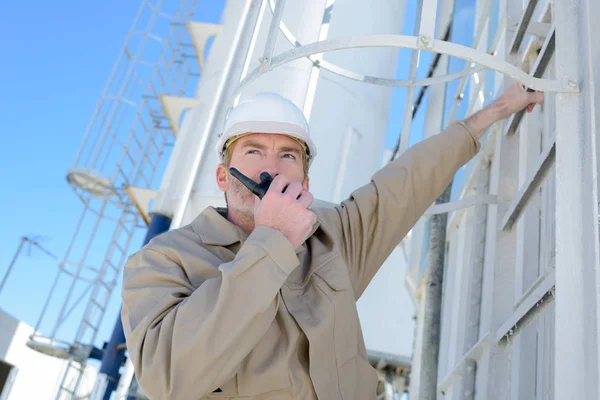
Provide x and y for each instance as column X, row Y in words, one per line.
column 124, row 227
column 88, row 323
column 109, row 287
column 137, row 141
column 123, row 174
column 111, row 265
column 148, row 161
column 130, row 157
column 153, row 143
column 98, row 304
column 64, row 389
column 122, row 250
column 75, row 366
column 158, row 117
column 160, row 76
column 145, row 129
column 145, row 180
column 151, row 165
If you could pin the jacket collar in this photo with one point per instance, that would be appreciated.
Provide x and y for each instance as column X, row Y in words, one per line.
column 214, row 228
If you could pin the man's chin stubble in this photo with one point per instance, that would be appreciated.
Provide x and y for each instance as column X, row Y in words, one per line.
column 246, row 201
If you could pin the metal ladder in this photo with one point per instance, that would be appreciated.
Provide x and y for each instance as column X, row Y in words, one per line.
column 123, row 147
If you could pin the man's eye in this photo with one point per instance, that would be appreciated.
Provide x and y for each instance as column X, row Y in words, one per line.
column 252, row 152
column 290, row 156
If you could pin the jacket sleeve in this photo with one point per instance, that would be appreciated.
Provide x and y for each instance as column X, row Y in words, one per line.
column 186, row 342
column 377, row 216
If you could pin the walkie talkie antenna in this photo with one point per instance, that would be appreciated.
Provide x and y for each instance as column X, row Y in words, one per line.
column 259, row 189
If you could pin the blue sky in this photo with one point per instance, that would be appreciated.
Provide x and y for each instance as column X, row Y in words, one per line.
column 58, row 56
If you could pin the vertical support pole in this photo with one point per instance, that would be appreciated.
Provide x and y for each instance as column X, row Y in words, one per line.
column 478, row 219
column 315, row 71
column 434, row 119
column 113, row 356
column 577, row 253
column 250, row 52
column 272, row 35
column 433, row 298
column 428, row 18
column 410, row 90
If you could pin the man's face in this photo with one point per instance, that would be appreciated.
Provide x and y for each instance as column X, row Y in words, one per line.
column 257, row 153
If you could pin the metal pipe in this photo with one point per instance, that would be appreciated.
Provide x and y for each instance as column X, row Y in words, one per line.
column 410, row 91
column 433, row 300
column 315, row 70
column 417, row 104
column 251, row 47
column 272, row 35
column 478, row 220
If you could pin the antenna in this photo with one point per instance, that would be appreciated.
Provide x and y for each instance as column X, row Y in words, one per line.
column 33, row 242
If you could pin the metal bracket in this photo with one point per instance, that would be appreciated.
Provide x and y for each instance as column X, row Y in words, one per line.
column 488, row 61
column 141, row 199
column 173, row 107
column 538, row 70
column 483, row 199
column 200, row 33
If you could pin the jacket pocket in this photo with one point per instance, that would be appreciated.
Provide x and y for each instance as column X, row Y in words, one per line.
column 358, row 380
column 265, row 369
column 334, row 282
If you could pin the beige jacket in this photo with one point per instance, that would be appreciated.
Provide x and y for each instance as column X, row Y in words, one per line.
column 211, row 312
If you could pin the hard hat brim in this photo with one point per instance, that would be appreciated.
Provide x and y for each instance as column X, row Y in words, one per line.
column 269, row 127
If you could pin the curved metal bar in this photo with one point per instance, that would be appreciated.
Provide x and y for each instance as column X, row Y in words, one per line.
column 415, row 43
column 434, row 80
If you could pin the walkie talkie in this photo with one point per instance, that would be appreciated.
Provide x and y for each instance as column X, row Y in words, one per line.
column 259, row 189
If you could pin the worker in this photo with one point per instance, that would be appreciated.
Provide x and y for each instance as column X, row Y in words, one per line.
column 258, row 300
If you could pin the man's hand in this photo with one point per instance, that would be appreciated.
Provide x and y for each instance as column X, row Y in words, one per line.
column 285, row 209
column 514, row 99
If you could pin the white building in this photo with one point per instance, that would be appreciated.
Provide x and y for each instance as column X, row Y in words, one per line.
column 26, row 374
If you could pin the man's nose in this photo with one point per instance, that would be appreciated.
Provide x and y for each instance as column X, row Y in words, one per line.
column 271, row 171
column 270, row 166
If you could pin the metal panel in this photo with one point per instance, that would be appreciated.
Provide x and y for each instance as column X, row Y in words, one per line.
column 577, row 253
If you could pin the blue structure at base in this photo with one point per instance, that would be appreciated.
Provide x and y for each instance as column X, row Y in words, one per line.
column 113, row 358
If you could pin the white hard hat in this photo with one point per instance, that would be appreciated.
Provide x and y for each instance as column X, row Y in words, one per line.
column 267, row 113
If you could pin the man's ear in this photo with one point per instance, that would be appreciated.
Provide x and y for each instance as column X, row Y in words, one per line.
column 306, row 184
column 222, row 178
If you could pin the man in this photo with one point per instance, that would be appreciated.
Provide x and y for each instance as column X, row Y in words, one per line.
column 257, row 301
